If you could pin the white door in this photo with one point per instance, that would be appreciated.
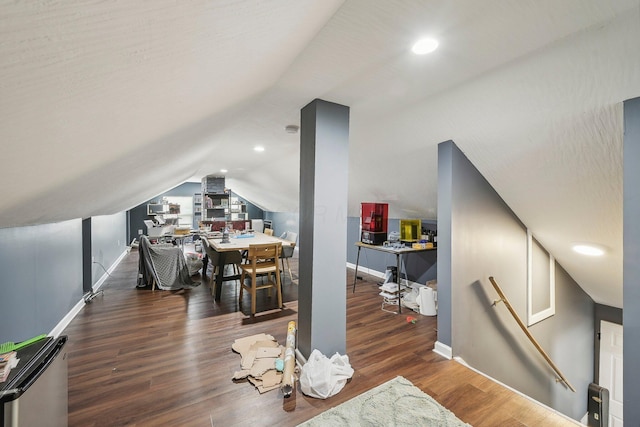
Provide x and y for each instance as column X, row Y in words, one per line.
column 611, row 368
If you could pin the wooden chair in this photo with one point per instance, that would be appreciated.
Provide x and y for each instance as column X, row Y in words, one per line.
column 268, row 231
column 261, row 260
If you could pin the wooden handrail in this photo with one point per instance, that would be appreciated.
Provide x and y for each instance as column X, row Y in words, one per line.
column 504, row 299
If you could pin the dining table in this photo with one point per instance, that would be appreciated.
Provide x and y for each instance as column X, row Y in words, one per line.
column 236, row 242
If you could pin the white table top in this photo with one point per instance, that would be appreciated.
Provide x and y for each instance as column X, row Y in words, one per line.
column 242, row 241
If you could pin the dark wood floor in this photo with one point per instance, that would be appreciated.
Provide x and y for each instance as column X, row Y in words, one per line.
column 164, row 358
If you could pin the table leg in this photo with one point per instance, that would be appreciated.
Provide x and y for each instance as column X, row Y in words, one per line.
column 219, row 276
column 399, row 283
column 205, row 263
column 355, row 277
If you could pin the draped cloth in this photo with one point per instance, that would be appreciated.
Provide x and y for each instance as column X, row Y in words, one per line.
column 165, row 264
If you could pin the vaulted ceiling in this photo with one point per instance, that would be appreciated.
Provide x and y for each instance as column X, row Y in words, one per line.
column 106, row 104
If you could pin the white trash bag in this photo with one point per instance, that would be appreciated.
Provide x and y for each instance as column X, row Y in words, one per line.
column 322, row 377
column 194, row 263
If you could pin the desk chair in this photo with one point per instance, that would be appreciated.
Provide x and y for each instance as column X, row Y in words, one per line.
column 262, row 259
column 268, row 231
column 287, row 250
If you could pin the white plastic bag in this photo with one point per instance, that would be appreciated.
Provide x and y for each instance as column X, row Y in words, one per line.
column 194, row 263
column 322, row 377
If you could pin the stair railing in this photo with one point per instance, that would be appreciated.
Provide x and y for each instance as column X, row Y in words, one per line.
column 535, row 343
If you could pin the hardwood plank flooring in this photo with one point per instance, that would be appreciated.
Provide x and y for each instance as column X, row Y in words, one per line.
column 163, row 358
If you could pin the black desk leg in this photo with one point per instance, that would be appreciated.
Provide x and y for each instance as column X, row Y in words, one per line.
column 219, row 276
column 205, row 263
column 399, row 282
column 355, row 278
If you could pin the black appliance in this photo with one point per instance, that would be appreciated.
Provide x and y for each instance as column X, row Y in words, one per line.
column 598, row 406
column 373, row 238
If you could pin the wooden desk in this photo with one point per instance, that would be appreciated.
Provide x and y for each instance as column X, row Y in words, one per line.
column 397, row 252
column 237, row 243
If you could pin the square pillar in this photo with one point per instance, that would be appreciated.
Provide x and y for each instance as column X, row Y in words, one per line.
column 324, row 162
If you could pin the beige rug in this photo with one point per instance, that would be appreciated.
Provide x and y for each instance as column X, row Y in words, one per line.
column 394, row 403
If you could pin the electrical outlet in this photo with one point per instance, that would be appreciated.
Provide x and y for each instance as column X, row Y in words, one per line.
column 140, row 232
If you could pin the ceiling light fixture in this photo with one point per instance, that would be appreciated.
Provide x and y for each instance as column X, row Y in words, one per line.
column 292, row 128
column 588, row 249
column 258, row 148
column 223, row 171
column 424, row 46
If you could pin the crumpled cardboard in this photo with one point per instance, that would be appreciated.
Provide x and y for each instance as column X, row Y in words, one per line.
column 258, row 358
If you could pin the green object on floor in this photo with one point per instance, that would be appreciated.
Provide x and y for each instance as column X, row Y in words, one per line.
column 11, row 346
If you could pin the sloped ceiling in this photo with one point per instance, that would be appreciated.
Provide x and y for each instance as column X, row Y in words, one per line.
column 106, row 104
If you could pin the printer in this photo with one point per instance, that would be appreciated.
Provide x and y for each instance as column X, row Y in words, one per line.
column 155, row 229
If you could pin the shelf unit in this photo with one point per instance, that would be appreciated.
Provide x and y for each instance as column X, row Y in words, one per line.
column 197, row 209
column 215, row 199
column 219, row 203
column 238, row 210
column 215, row 207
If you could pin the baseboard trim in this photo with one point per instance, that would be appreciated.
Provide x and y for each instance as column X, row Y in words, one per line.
column 443, row 350
column 62, row 324
column 57, row 330
column 110, row 270
column 366, row 270
column 379, row 274
column 529, row 398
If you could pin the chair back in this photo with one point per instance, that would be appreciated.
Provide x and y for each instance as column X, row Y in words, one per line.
column 214, row 256
column 265, row 254
column 290, row 236
column 268, row 231
column 287, row 250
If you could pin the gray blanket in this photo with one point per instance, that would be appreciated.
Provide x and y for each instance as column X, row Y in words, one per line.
column 164, row 263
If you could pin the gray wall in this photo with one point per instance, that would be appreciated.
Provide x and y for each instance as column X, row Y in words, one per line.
column 420, row 266
column 41, row 272
column 324, row 154
column 445, row 200
column 108, row 242
column 41, row 277
column 487, row 239
column 283, row 221
column 631, row 268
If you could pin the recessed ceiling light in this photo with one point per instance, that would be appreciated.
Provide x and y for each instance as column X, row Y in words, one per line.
column 224, row 170
column 424, row 46
column 588, row 249
column 259, row 148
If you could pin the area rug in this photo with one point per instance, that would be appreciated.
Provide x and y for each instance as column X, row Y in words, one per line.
column 394, row 403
